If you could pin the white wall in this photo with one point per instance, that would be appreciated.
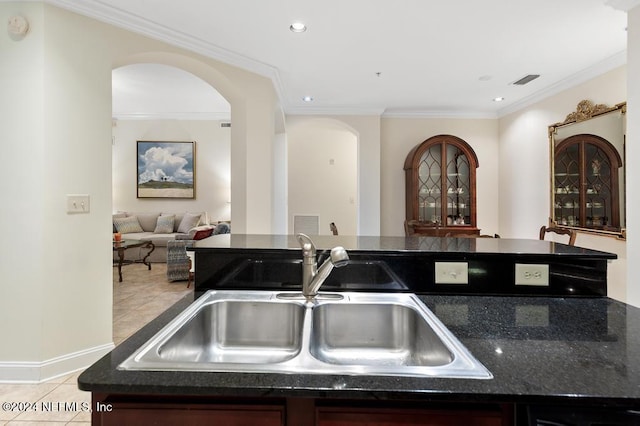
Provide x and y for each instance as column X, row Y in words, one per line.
column 55, row 301
column 525, row 161
column 323, row 173
column 401, row 135
column 21, row 110
column 212, row 165
column 55, row 306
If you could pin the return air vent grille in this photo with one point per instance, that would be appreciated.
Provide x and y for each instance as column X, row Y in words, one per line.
column 306, row 224
column 526, row 79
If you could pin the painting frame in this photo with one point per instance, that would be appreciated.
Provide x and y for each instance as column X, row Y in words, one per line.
column 166, row 169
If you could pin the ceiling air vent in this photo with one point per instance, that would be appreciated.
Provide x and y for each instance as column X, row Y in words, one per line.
column 526, row 79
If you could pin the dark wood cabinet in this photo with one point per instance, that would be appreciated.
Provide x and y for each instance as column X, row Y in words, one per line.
column 184, row 410
column 408, row 417
column 199, row 410
column 440, row 176
column 587, row 194
column 195, row 416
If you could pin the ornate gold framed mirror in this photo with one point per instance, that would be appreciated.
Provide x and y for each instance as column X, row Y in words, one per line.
column 588, row 169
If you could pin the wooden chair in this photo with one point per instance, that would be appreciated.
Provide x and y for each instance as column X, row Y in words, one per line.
column 409, row 227
column 559, row 231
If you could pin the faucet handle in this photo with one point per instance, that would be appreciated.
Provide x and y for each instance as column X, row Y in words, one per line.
column 308, row 248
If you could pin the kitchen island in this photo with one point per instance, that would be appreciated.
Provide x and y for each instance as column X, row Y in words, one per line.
column 553, row 358
column 236, row 261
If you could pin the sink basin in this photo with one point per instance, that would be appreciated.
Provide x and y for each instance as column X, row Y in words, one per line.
column 387, row 334
column 374, row 334
column 237, row 331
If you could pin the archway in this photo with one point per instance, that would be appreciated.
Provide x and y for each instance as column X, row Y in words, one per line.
column 159, row 102
column 322, row 174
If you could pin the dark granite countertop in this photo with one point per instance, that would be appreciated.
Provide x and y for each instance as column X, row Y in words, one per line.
column 539, row 349
column 400, row 245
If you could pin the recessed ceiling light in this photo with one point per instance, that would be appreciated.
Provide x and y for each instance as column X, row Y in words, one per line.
column 298, row 27
column 307, row 99
column 498, row 99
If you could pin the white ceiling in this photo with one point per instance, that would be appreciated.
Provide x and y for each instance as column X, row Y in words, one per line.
column 445, row 58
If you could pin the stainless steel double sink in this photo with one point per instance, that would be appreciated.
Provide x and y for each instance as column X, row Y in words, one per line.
column 350, row 333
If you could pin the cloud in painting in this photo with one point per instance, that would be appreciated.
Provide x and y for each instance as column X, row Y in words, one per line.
column 169, row 162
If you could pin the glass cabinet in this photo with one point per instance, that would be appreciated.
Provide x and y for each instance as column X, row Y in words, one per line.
column 585, row 173
column 440, row 178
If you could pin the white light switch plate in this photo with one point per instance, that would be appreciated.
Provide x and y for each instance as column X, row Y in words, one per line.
column 452, row 273
column 77, row 203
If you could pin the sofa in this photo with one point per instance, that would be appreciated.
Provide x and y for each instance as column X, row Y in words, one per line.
column 159, row 228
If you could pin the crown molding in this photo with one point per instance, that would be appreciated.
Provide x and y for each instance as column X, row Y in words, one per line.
column 416, row 113
column 111, row 15
column 615, row 61
column 333, row 111
column 105, row 13
column 102, row 12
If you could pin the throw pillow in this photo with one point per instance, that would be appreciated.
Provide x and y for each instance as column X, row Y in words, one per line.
column 189, row 220
column 127, row 225
column 164, row 225
column 115, row 215
column 147, row 220
column 203, row 233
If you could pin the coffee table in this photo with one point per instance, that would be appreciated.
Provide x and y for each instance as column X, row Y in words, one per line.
column 122, row 246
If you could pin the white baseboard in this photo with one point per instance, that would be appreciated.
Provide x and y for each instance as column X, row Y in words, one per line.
column 37, row 372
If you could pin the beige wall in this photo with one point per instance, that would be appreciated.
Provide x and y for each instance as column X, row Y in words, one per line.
column 400, row 135
column 212, row 165
column 524, row 154
column 367, row 130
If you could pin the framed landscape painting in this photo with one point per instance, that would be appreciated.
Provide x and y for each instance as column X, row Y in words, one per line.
column 166, row 169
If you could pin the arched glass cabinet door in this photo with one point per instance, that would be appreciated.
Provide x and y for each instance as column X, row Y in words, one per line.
column 440, row 178
column 586, row 183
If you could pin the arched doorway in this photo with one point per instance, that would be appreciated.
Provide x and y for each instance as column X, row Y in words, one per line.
column 322, row 174
column 160, row 102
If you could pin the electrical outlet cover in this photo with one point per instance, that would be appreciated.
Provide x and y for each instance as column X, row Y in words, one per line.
column 532, row 274
column 452, row 273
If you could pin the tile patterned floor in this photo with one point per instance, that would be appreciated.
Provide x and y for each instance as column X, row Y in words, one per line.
column 141, row 297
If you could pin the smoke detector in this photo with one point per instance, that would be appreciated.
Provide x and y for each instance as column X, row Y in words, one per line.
column 18, row 25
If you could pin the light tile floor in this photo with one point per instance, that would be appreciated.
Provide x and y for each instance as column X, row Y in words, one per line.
column 141, row 297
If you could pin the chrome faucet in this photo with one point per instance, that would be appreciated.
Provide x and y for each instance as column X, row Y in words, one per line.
column 312, row 276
